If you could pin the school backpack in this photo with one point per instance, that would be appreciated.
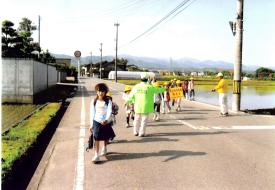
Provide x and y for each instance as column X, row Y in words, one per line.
column 115, row 108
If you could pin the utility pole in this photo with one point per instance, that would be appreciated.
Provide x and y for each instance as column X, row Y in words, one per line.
column 116, row 24
column 91, row 67
column 39, row 30
column 39, row 34
column 100, row 68
column 236, row 100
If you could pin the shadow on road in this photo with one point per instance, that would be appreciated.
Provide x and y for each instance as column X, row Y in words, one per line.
column 187, row 133
column 144, row 140
column 171, row 154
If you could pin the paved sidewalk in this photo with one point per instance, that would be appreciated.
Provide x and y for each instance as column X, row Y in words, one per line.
column 191, row 149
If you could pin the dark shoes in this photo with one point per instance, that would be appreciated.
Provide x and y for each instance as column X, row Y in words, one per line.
column 224, row 114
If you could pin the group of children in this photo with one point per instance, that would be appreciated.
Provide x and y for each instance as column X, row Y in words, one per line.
column 162, row 100
column 103, row 110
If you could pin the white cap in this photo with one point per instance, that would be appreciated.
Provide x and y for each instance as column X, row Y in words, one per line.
column 144, row 75
column 220, row 75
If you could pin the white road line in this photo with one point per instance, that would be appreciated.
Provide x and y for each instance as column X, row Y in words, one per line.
column 254, row 127
column 183, row 122
column 80, row 172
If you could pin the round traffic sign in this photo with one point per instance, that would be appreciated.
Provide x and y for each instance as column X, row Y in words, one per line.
column 77, row 53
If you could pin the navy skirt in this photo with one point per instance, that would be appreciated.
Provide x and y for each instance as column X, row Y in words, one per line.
column 103, row 132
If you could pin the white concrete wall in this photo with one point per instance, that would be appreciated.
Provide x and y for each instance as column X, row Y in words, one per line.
column 17, row 80
column 40, row 77
column 52, row 76
column 23, row 78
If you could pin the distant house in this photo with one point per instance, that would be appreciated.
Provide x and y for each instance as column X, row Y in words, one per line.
column 106, row 67
column 183, row 74
column 246, row 78
column 131, row 74
column 201, row 74
column 63, row 62
column 194, row 74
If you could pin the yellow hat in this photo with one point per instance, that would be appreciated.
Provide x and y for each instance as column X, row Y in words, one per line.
column 178, row 82
column 109, row 94
column 127, row 88
column 219, row 74
column 165, row 83
column 156, row 84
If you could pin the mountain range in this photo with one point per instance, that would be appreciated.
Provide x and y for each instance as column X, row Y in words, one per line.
column 183, row 64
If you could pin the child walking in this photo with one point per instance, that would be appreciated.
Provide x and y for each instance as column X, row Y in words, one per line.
column 178, row 100
column 100, row 118
column 129, row 107
column 166, row 98
column 157, row 101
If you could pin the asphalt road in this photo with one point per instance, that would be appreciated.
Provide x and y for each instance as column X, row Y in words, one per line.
column 191, row 149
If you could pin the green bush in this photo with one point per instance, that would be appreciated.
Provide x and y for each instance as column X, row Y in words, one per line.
column 18, row 139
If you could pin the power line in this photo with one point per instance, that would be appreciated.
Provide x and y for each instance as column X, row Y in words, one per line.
column 173, row 16
column 161, row 20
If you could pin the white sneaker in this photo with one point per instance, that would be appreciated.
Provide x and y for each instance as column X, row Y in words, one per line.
column 103, row 151
column 95, row 159
column 157, row 118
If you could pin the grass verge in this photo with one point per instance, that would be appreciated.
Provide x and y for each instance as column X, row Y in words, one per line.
column 19, row 139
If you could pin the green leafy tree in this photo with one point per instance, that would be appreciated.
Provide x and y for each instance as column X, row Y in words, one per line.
column 25, row 32
column 264, row 73
column 226, row 74
column 10, row 40
column 46, row 57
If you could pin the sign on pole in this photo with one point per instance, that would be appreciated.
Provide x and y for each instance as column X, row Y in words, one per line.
column 77, row 54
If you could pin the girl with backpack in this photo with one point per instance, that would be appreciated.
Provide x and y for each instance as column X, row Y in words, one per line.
column 100, row 118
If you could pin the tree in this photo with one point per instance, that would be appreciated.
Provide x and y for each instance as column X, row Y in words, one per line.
column 46, row 57
column 10, row 40
column 263, row 73
column 226, row 74
column 25, row 32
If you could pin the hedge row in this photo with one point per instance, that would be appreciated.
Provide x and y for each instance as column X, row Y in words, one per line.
column 19, row 139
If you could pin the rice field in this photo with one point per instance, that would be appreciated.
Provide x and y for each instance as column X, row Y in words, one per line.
column 14, row 113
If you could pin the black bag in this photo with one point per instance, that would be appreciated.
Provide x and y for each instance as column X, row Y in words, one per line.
column 90, row 142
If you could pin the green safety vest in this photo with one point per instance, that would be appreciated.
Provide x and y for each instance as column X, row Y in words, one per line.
column 142, row 95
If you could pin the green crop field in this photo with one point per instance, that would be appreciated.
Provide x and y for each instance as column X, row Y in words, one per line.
column 208, row 81
column 14, row 113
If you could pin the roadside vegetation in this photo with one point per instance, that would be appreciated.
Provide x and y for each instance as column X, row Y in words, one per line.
column 207, row 81
column 14, row 113
column 17, row 140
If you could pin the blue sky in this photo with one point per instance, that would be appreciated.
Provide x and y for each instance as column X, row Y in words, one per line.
column 200, row 32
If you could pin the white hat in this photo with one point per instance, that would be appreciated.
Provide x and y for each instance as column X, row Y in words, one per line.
column 144, row 75
column 220, row 75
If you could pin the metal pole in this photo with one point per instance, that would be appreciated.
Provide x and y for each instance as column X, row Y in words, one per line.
column 39, row 36
column 100, row 60
column 91, row 66
column 78, row 67
column 116, row 24
column 236, row 99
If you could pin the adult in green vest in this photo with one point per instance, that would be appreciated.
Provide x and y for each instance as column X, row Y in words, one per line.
column 142, row 95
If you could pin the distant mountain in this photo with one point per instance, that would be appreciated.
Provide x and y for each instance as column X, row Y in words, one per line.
column 161, row 63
